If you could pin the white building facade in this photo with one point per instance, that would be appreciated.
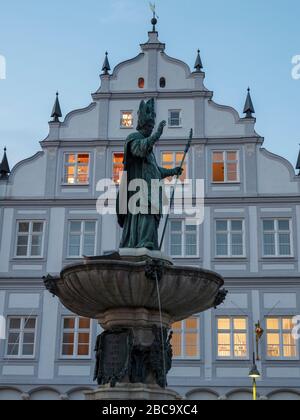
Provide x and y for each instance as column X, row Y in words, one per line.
column 250, row 234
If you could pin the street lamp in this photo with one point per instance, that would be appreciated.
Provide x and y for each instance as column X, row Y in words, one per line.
column 254, row 374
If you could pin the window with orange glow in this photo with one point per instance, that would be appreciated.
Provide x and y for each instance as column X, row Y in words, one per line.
column 126, row 119
column 141, row 83
column 172, row 160
column 280, row 341
column 118, row 167
column 76, row 337
column 186, row 341
column 225, row 166
column 232, row 338
column 76, row 168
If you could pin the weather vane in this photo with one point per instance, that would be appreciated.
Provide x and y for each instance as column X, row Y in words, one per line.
column 155, row 17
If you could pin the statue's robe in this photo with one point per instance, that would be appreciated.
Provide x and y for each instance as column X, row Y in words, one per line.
column 141, row 230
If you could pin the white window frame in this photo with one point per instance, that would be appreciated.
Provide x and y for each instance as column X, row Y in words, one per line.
column 21, row 332
column 170, row 118
column 30, row 234
column 183, row 244
column 280, row 332
column 174, row 162
column 183, row 331
column 277, row 232
column 82, row 233
column 232, row 332
column 76, row 331
column 65, row 164
column 230, row 232
column 121, row 152
column 122, row 112
column 226, row 162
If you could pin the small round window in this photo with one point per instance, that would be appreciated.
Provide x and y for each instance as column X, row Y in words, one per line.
column 141, row 83
column 162, row 82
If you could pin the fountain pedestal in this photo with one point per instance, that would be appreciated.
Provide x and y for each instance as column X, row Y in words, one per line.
column 135, row 299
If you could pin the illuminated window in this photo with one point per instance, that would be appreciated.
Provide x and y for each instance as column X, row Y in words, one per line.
column 230, row 238
column 186, row 341
column 21, row 337
column 226, row 166
column 162, row 82
column 118, row 167
column 30, row 238
column 126, row 119
column 172, row 160
column 183, row 239
column 280, row 341
column 141, row 83
column 76, row 337
column 76, row 168
column 277, row 237
column 82, row 239
column 175, row 118
column 232, row 338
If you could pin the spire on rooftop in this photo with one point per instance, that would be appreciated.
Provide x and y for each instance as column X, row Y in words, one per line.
column 249, row 108
column 106, row 66
column 4, row 166
column 198, row 64
column 56, row 111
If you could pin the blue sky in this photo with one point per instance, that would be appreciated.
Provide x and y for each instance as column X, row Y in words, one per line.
column 55, row 45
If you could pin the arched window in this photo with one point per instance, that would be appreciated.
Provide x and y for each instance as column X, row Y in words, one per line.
column 162, row 82
column 141, row 83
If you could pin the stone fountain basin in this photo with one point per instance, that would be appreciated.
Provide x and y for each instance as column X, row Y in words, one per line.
column 93, row 287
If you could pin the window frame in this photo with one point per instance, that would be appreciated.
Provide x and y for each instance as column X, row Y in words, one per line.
column 232, row 333
column 122, row 112
column 226, row 162
column 183, row 332
column 170, row 118
column 113, row 164
column 76, row 184
column 183, row 243
column 174, row 163
column 76, row 331
column 230, row 232
column 30, row 234
column 82, row 233
column 277, row 233
column 21, row 331
column 281, row 333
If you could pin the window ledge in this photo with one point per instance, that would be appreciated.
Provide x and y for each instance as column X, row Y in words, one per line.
column 290, row 258
column 231, row 259
column 226, row 183
column 75, row 185
column 31, row 259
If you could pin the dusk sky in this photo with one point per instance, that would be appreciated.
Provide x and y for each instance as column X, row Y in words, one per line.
column 55, row 45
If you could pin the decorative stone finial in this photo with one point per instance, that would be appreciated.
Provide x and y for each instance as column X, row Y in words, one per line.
column 4, row 166
column 198, row 64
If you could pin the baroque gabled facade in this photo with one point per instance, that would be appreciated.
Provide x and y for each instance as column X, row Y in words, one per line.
column 250, row 234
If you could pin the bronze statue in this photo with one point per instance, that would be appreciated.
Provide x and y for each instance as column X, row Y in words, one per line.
column 141, row 230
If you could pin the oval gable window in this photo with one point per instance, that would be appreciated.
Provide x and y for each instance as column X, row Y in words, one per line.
column 141, row 83
column 162, row 82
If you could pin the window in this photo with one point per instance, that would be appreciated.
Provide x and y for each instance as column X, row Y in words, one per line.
column 171, row 160
column 82, row 238
column 162, row 82
column 30, row 239
column 185, row 341
column 230, row 238
column 126, row 119
column 118, row 167
column 175, row 118
column 21, row 337
column 76, row 337
column 141, row 83
column 232, row 338
column 226, row 166
column 280, row 341
column 76, row 168
column 184, row 239
column 277, row 238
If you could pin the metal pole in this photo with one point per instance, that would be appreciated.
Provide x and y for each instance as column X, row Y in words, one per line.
column 188, row 146
column 254, row 390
